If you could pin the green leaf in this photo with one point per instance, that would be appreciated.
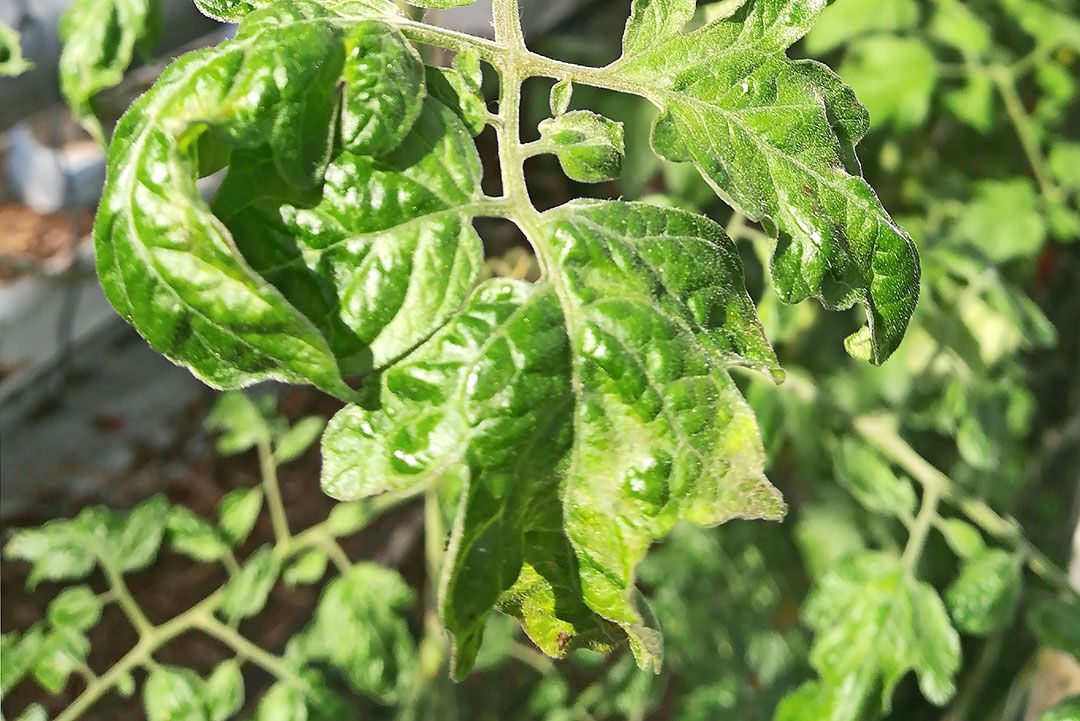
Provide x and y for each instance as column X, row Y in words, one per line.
column 1044, row 23
column 1054, row 623
column 224, row 691
column 827, row 534
column 58, row 551
column 963, row 538
column 652, row 21
column 309, row 567
column 873, row 624
column 561, row 94
column 166, row 263
column 240, row 422
column 237, row 513
column 1003, row 220
column 974, row 104
column 33, row 712
column 589, row 146
column 386, row 255
column 294, row 442
column 246, row 592
column 439, row 4
column 77, row 608
column 461, row 94
column 18, row 654
column 345, row 519
column 1067, row 710
column 12, row 62
column 195, row 537
column 1064, row 163
column 314, row 701
column 956, row 24
column 984, row 597
column 136, row 542
column 359, row 627
column 775, row 137
column 100, row 39
column 629, row 347
column 845, row 20
column 871, row 481
column 172, row 693
column 894, row 76
column 62, row 651
column 384, row 89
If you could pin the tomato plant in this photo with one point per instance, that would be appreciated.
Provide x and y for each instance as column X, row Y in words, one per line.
column 560, row 428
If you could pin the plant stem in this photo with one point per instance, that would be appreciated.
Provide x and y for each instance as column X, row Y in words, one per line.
column 232, row 638
column 1025, row 130
column 123, row 596
column 272, row 489
column 337, row 555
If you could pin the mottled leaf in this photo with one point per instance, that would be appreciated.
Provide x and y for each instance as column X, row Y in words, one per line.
column 775, row 139
column 589, row 146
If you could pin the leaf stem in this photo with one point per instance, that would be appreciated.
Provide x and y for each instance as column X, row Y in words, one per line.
column 123, row 596
column 272, row 489
column 206, row 622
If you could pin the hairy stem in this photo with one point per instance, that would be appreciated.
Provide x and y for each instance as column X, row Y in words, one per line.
column 123, row 596
column 246, row 649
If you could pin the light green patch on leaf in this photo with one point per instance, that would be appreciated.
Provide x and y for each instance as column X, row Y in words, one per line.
column 62, row 651
column 384, row 90
column 562, row 93
column 956, row 24
column 100, row 39
column 173, row 693
column 224, row 691
column 963, row 539
column 136, row 540
column 589, row 146
column 198, row 300
column 385, row 256
column 983, row 598
column 240, row 422
column 192, row 535
column 1003, row 220
column 58, row 551
column 1045, row 23
column 775, row 138
column 245, row 594
column 359, row 628
column 307, row 568
column 845, row 20
column 975, row 103
column 628, row 347
column 868, row 477
column 894, row 77
column 237, row 513
column 295, row 441
column 874, row 624
column 77, row 608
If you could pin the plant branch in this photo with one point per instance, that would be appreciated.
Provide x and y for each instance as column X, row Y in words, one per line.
column 1025, row 130
column 272, row 489
column 232, row 638
column 123, row 596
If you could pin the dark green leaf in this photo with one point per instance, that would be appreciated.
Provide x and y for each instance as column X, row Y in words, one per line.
column 1055, row 623
column 1067, row 710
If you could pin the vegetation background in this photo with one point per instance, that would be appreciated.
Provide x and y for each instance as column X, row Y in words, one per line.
column 912, row 472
